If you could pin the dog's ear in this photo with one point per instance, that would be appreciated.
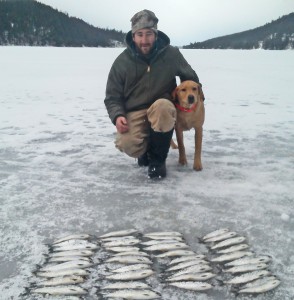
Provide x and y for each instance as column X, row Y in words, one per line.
column 174, row 95
column 200, row 91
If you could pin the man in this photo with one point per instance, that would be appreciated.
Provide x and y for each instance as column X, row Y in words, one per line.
column 138, row 93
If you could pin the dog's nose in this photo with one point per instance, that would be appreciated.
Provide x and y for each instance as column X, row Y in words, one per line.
column 191, row 99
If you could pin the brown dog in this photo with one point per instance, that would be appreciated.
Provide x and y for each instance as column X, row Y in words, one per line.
column 188, row 98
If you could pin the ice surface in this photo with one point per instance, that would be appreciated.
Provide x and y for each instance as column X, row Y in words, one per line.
column 61, row 174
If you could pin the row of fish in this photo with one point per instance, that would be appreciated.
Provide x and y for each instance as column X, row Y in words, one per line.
column 185, row 268
column 67, row 266
column 128, row 266
column 248, row 272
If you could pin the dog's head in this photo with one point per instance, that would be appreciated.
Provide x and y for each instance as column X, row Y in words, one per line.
column 187, row 94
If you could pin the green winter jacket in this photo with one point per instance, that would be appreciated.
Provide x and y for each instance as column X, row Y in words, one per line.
column 135, row 82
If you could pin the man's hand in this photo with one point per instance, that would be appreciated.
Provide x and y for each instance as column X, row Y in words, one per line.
column 122, row 124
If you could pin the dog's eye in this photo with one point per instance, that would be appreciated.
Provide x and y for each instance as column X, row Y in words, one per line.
column 183, row 90
column 194, row 88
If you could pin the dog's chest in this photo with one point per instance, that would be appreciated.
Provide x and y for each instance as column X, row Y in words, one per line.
column 185, row 120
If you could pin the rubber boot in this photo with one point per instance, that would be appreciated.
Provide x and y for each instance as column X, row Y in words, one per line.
column 143, row 160
column 159, row 146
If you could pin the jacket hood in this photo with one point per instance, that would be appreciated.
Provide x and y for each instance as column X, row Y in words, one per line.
column 162, row 40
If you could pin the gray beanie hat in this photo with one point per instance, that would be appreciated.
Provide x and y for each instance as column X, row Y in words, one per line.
column 144, row 19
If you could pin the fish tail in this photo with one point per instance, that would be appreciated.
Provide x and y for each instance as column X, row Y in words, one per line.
column 162, row 277
column 235, row 291
column 27, row 291
column 218, row 269
column 220, row 282
column 201, row 240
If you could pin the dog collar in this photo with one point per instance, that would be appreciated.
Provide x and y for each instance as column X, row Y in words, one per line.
column 181, row 108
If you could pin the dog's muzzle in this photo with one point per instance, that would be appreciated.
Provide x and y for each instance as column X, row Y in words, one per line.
column 191, row 99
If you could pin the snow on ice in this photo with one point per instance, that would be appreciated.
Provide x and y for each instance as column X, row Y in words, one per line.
column 61, row 174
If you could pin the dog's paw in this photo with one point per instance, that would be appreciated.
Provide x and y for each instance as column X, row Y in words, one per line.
column 173, row 145
column 183, row 162
column 197, row 166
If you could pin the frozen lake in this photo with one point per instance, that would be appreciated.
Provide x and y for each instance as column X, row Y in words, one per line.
column 61, row 174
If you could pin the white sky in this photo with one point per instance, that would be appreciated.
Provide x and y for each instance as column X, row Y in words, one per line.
column 184, row 21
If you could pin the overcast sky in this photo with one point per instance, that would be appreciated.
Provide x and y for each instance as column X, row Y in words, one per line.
column 184, row 21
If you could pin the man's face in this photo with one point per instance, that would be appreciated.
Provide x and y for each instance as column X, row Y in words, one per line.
column 144, row 40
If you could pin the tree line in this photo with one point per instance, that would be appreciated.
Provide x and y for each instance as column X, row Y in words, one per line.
column 28, row 22
column 277, row 35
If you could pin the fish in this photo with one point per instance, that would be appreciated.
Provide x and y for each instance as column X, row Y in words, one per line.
column 192, row 276
column 187, row 258
column 130, row 253
column 128, row 268
column 186, row 264
column 247, row 277
column 131, row 275
column 70, row 247
column 231, row 256
column 61, row 290
column 126, row 242
column 122, row 249
column 81, row 272
column 221, row 237
column 245, row 268
column 68, row 258
column 166, row 247
column 62, row 280
column 175, row 253
column 215, row 233
column 161, row 237
column 72, row 253
column 71, row 242
column 163, row 233
column 229, row 242
column 234, row 248
column 158, row 242
column 133, row 294
column 249, row 260
column 126, row 285
column 117, row 238
column 72, row 237
column 130, row 260
column 265, row 287
column 192, row 285
column 194, row 269
column 259, row 281
column 118, row 233
column 78, row 264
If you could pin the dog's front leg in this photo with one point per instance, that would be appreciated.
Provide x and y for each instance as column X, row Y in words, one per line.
column 182, row 152
column 198, row 148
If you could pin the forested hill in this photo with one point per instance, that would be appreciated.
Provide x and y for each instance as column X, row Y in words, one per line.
column 277, row 35
column 28, row 22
